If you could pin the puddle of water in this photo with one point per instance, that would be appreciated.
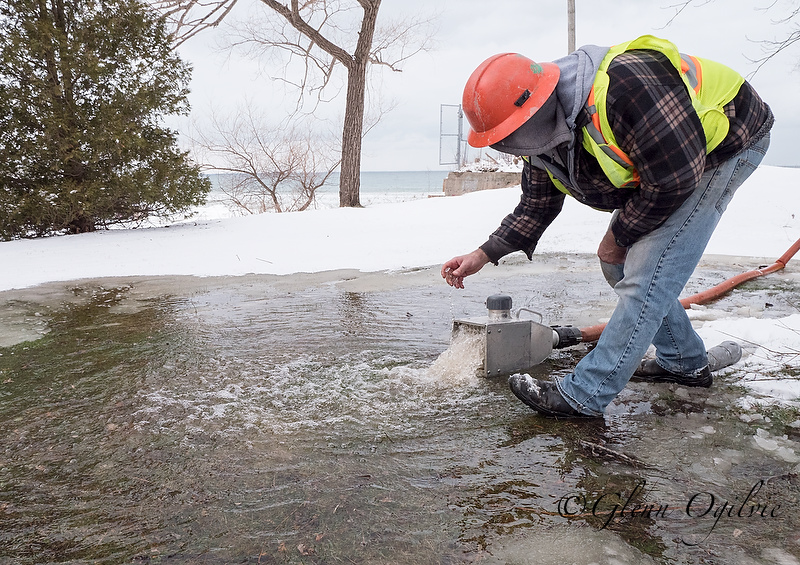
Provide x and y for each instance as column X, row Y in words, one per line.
column 260, row 420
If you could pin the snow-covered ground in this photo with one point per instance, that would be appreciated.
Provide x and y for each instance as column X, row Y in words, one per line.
column 762, row 221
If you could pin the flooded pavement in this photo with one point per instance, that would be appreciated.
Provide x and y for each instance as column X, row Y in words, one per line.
column 311, row 419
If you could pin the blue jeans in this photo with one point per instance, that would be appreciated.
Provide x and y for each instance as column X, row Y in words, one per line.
column 656, row 269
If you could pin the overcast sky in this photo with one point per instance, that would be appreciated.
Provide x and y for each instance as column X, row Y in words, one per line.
column 469, row 31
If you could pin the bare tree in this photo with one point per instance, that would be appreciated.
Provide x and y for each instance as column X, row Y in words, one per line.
column 271, row 166
column 323, row 35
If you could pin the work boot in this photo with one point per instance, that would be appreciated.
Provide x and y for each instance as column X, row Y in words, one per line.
column 542, row 396
column 651, row 372
column 720, row 356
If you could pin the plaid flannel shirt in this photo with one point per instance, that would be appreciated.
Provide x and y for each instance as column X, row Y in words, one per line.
column 651, row 115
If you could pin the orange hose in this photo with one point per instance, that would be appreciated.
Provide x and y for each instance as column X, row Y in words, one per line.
column 592, row 333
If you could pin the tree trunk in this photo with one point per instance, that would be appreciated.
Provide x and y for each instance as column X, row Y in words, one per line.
column 353, row 127
column 350, row 176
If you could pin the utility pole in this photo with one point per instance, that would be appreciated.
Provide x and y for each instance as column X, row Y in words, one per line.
column 458, row 135
column 570, row 26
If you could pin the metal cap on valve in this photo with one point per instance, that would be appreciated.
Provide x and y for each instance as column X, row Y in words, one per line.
column 498, row 302
column 499, row 306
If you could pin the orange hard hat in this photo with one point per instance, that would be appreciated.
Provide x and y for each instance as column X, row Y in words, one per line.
column 503, row 93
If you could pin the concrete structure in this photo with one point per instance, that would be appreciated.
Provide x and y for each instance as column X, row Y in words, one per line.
column 461, row 182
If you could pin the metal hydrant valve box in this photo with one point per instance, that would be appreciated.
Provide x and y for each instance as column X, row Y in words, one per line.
column 509, row 346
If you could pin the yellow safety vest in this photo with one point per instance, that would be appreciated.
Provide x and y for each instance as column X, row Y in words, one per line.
column 711, row 86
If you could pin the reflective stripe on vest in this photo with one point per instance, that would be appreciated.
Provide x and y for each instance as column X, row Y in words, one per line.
column 692, row 71
column 594, row 130
column 710, row 85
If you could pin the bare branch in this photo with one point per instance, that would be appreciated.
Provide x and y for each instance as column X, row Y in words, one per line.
column 268, row 167
column 294, row 17
column 189, row 17
column 266, row 41
column 396, row 42
column 773, row 48
column 770, row 48
column 679, row 8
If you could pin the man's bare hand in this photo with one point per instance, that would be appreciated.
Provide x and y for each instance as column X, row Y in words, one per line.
column 610, row 252
column 454, row 271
